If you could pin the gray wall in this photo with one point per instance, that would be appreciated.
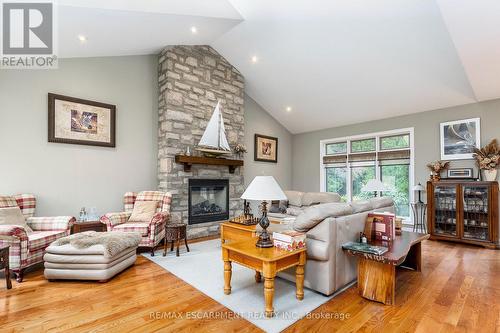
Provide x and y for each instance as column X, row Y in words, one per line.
column 66, row 177
column 257, row 120
column 306, row 147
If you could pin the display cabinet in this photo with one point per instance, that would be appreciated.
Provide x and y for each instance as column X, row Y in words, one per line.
column 463, row 211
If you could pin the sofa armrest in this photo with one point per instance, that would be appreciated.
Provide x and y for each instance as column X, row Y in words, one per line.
column 113, row 219
column 50, row 223
column 13, row 231
column 158, row 218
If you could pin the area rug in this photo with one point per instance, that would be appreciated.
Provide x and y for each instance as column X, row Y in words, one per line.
column 203, row 269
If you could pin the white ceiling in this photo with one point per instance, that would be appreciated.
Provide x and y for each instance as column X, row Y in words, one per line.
column 335, row 62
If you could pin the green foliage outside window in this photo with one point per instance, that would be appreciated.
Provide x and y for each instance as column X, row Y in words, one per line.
column 336, row 181
column 395, row 142
column 360, row 176
column 360, row 146
column 336, row 148
column 397, row 177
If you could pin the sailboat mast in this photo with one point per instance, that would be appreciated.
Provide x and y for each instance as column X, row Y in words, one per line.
column 218, row 128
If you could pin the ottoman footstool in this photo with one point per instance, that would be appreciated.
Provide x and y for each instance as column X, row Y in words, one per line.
column 68, row 262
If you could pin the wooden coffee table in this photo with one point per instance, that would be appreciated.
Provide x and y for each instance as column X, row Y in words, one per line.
column 377, row 274
column 266, row 262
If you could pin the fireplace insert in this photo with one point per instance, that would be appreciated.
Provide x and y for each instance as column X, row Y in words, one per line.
column 208, row 200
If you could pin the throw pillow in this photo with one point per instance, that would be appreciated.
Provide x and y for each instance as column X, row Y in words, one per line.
column 14, row 216
column 143, row 211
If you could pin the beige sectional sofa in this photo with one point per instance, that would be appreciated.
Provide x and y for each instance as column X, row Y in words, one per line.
column 328, row 226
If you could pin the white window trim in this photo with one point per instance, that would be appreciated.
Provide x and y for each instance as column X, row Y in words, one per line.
column 377, row 135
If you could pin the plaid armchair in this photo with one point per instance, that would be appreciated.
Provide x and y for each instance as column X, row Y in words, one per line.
column 28, row 249
column 153, row 231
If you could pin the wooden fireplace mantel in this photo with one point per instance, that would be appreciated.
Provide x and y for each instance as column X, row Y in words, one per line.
column 188, row 161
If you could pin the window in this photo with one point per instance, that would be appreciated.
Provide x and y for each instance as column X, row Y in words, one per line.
column 349, row 163
column 395, row 142
column 361, row 146
column 397, row 177
column 336, row 148
column 360, row 175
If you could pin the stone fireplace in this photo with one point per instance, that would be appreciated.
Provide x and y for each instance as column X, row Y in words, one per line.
column 191, row 81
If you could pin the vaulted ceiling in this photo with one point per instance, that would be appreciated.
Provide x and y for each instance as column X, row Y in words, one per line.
column 332, row 62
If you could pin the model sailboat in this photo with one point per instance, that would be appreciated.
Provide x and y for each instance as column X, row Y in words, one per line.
column 214, row 141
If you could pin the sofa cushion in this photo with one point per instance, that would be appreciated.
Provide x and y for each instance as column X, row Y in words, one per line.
column 14, row 216
column 143, row 211
column 314, row 198
column 41, row 239
column 315, row 214
column 294, row 197
column 140, row 227
column 380, row 202
column 294, row 211
column 361, row 206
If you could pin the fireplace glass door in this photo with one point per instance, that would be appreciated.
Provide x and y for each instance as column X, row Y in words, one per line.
column 208, row 200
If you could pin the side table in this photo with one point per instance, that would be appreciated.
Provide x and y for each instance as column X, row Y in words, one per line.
column 4, row 264
column 81, row 226
column 419, row 222
column 174, row 232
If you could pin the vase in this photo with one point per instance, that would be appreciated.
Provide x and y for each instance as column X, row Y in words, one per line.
column 490, row 175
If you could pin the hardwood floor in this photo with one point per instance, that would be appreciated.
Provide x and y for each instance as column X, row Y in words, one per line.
column 458, row 290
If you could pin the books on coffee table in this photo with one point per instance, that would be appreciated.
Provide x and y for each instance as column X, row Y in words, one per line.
column 380, row 226
column 364, row 247
column 289, row 240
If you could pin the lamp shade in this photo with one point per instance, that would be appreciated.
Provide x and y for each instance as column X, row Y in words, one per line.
column 264, row 188
column 418, row 187
column 374, row 185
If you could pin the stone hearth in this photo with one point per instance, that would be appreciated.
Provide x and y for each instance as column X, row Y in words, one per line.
column 191, row 80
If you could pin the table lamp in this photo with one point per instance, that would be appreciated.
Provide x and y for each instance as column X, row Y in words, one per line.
column 419, row 188
column 264, row 188
column 374, row 185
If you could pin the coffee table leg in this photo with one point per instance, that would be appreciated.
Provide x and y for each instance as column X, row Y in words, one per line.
column 299, row 277
column 227, row 272
column 257, row 277
column 377, row 281
column 269, row 270
column 7, row 277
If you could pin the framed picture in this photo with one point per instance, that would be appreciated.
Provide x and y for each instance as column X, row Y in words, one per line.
column 82, row 122
column 459, row 138
column 463, row 173
column 266, row 148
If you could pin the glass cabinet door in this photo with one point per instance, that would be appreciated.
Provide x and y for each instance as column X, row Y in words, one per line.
column 475, row 198
column 445, row 201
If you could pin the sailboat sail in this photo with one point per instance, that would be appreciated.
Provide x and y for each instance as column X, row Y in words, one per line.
column 223, row 144
column 215, row 133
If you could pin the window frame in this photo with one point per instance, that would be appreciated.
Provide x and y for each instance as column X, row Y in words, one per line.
column 377, row 136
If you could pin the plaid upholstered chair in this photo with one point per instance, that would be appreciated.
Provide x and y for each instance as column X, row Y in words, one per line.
column 152, row 232
column 27, row 249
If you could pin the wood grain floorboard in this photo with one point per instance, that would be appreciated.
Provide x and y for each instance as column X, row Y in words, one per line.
column 458, row 290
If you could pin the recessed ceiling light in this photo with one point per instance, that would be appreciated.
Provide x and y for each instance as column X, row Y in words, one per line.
column 82, row 38
column 288, row 108
column 194, row 30
column 255, row 59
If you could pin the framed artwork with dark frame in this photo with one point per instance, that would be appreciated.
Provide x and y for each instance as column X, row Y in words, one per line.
column 266, row 148
column 81, row 122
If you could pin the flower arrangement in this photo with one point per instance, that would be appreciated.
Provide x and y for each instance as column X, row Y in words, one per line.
column 436, row 168
column 488, row 157
column 240, row 149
